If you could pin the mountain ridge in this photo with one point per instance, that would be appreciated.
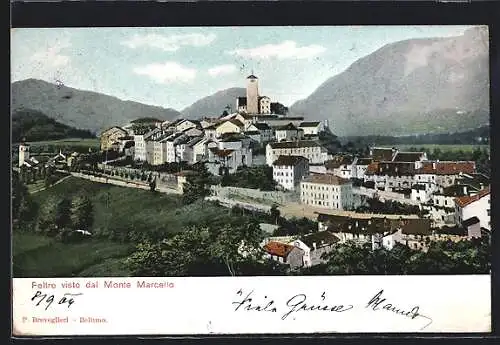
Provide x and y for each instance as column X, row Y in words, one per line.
column 81, row 109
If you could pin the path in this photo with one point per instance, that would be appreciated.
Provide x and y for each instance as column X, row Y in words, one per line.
column 44, row 188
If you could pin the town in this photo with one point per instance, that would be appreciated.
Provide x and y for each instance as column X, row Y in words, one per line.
column 382, row 197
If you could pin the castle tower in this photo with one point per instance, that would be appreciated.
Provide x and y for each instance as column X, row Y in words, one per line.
column 24, row 153
column 252, row 94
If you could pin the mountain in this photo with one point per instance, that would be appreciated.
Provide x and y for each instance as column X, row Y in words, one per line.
column 408, row 87
column 32, row 125
column 81, row 109
column 214, row 104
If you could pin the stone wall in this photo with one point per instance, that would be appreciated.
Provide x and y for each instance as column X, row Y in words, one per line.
column 248, row 194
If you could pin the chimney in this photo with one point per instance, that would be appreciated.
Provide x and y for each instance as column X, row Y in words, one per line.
column 433, row 165
column 465, row 190
column 314, row 245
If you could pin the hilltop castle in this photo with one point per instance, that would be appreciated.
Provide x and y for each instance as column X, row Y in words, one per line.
column 253, row 103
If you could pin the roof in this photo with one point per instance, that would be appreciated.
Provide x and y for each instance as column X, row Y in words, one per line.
column 221, row 153
column 262, row 126
column 382, row 154
column 289, row 160
column 326, row 179
column 470, row 221
column 252, row 133
column 467, row 200
column 288, row 127
column 114, row 127
column 363, row 161
column 476, row 180
column 418, row 226
column 447, row 168
column 233, row 121
column 309, row 124
column 337, row 161
column 456, row 190
column 251, row 76
column 261, row 97
column 194, row 141
column 294, row 144
column 374, row 225
column 321, row 238
column 452, row 230
column 408, row 156
column 278, row 249
column 391, row 169
column 242, row 101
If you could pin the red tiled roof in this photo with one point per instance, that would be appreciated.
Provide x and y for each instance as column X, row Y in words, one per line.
column 278, row 249
column 466, row 200
column 447, row 168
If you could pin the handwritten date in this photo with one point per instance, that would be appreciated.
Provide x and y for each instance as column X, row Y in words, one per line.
column 40, row 298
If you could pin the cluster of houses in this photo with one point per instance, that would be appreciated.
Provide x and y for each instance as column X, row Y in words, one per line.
column 378, row 232
column 224, row 143
column 35, row 162
column 455, row 196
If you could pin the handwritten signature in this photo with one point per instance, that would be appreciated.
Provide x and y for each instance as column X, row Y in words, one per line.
column 40, row 297
column 377, row 303
column 295, row 304
column 302, row 303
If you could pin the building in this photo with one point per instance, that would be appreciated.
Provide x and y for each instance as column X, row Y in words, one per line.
column 327, row 191
column 229, row 126
column 312, row 128
column 383, row 154
column 253, row 103
column 288, row 133
column 140, row 149
column 24, row 153
column 360, row 167
column 441, row 206
column 110, row 136
column 288, row 171
column 284, row 253
column 312, row 150
column 478, row 205
column 443, row 174
column 266, row 132
column 390, row 175
column 315, row 246
column 341, row 166
column 410, row 157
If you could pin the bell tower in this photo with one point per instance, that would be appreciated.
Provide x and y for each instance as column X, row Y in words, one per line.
column 252, row 94
column 24, row 153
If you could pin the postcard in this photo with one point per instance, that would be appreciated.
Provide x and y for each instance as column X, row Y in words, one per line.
column 250, row 180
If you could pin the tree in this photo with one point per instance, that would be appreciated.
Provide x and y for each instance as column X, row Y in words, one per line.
column 152, row 185
column 224, row 113
column 275, row 213
column 197, row 185
column 82, row 212
column 47, row 216
column 23, row 207
column 278, row 108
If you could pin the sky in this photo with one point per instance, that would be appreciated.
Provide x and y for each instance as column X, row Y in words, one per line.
column 173, row 67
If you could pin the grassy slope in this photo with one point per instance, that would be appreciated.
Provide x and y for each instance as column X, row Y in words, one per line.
column 116, row 208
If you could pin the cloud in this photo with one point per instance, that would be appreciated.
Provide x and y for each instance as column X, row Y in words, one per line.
column 169, row 43
column 221, row 70
column 284, row 50
column 167, row 72
column 51, row 55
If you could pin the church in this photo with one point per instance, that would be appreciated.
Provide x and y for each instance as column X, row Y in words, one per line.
column 253, row 103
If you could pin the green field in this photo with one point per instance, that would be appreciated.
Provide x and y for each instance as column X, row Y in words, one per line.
column 93, row 142
column 126, row 213
column 465, row 148
column 38, row 256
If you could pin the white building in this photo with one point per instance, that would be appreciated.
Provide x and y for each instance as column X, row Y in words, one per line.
column 140, row 149
column 478, row 205
column 24, row 153
column 288, row 133
column 327, row 191
column 311, row 128
column 288, row 171
column 315, row 245
column 312, row 150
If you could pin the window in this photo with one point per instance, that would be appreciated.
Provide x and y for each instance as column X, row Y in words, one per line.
column 488, row 212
